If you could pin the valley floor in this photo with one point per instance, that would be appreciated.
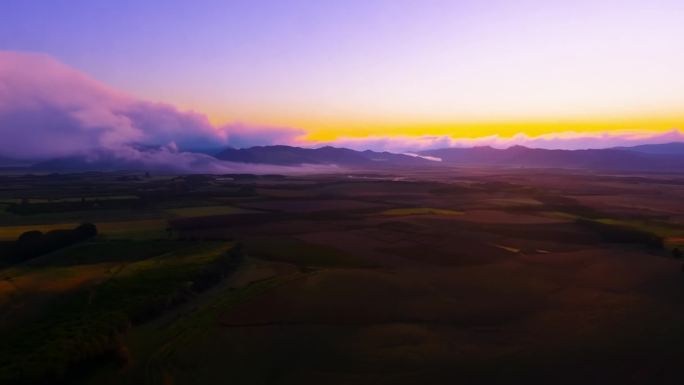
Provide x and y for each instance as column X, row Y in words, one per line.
column 458, row 276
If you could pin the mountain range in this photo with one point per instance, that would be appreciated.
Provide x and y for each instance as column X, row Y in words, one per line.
column 667, row 157
column 291, row 156
column 661, row 157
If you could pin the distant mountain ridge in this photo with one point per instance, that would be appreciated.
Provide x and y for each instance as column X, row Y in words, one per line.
column 667, row 157
column 9, row 162
column 674, row 148
column 594, row 159
column 290, row 156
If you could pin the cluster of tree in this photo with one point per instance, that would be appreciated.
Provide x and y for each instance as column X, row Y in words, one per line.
column 623, row 234
column 32, row 244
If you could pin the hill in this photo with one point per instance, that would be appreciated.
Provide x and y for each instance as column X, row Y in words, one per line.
column 660, row 158
column 674, row 148
column 344, row 157
column 600, row 159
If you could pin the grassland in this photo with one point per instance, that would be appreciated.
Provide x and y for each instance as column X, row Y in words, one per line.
column 420, row 211
column 456, row 276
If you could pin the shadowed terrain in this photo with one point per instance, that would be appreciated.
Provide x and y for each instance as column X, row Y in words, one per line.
column 472, row 276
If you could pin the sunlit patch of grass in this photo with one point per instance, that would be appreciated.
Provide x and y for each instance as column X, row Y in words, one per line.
column 141, row 229
column 508, row 248
column 514, row 202
column 7, row 290
column 420, row 211
column 559, row 215
column 203, row 211
column 662, row 229
column 60, row 279
column 75, row 266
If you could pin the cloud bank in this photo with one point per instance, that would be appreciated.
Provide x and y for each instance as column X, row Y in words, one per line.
column 562, row 140
column 49, row 110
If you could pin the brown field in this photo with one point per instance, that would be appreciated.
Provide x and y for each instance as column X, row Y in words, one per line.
column 310, row 206
column 463, row 277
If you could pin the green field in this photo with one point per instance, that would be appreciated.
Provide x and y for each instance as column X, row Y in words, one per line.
column 420, row 211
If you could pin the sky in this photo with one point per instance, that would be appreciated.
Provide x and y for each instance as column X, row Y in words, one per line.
column 386, row 74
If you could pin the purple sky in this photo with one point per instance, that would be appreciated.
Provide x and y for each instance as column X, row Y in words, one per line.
column 383, row 70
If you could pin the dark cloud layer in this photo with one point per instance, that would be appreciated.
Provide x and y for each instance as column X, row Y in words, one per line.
column 48, row 109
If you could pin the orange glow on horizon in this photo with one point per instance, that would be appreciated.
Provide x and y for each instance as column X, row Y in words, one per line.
column 321, row 130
